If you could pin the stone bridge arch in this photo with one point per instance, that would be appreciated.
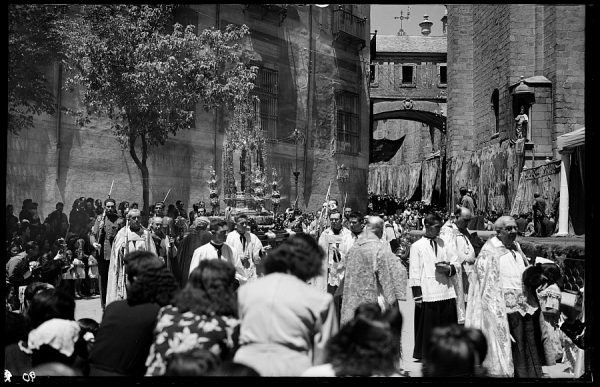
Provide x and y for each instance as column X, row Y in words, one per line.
column 420, row 170
column 428, row 112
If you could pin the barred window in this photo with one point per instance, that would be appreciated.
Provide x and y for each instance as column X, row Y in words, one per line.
column 348, row 130
column 267, row 89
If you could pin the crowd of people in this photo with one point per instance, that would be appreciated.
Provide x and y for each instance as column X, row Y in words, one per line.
column 191, row 294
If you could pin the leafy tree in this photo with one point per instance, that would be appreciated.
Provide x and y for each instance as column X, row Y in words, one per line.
column 147, row 75
column 33, row 43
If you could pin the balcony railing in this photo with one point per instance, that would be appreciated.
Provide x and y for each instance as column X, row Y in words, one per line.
column 348, row 28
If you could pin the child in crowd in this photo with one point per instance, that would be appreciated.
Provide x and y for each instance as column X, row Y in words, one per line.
column 93, row 275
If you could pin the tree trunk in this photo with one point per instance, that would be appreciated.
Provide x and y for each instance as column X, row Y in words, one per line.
column 143, row 167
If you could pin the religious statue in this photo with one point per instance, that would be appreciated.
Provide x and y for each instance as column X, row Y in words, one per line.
column 522, row 122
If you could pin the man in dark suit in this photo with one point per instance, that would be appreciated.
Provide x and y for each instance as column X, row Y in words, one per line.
column 539, row 214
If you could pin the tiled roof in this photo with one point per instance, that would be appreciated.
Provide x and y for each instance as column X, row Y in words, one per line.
column 421, row 44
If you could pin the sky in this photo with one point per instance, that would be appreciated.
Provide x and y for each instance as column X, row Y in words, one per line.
column 382, row 18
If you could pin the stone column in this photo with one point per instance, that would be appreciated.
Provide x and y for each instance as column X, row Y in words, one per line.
column 563, row 211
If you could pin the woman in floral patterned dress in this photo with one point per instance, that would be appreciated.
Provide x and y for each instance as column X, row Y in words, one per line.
column 203, row 316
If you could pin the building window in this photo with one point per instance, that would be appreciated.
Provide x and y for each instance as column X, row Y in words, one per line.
column 405, row 75
column 348, row 121
column 495, row 105
column 442, row 75
column 187, row 16
column 267, row 88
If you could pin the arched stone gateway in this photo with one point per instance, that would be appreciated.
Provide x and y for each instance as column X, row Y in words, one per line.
column 427, row 112
column 416, row 172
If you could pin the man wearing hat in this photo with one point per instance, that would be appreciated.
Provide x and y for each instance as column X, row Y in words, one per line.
column 198, row 236
column 132, row 237
column 102, row 237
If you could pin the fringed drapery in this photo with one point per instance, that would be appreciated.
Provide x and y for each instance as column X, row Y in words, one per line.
column 387, row 179
column 544, row 179
column 430, row 173
column 414, row 175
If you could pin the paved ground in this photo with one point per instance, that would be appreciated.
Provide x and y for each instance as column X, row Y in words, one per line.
column 90, row 308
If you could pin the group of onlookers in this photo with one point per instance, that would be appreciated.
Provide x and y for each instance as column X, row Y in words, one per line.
column 322, row 303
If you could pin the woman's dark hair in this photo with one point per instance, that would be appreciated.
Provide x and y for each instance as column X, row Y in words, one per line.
column 367, row 345
column 533, row 277
column 46, row 354
column 230, row 368
column 88, row 325
column 198, row 362
column 542, row 273
column 48, row 304
column 150, row 280
column 300, row 255
column 553, row 273
column 451, row 353
column 33, row 288
column 209, row 290
column 479, row 343
column 83, row 347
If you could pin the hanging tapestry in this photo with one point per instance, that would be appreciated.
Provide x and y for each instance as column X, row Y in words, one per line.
column 430, row 172
column 544, row 179
column 414, row 177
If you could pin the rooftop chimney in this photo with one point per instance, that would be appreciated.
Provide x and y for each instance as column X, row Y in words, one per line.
column 425, row 25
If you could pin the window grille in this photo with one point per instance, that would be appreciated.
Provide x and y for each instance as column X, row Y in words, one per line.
column 348, row 121
column 267, row 89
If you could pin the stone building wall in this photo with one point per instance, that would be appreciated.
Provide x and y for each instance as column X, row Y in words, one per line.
column 90, row 158
column 565, row 49
column 460, row 80
column 490, row 47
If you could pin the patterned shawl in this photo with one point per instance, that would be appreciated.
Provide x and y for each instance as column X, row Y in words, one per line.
column 486, row 309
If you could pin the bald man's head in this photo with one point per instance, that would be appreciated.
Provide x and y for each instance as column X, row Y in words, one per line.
column 504, row 221
column 375, row 225
column 463, row 216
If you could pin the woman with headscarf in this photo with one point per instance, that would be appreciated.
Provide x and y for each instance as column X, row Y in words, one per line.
column 46, row 303
column 202, row 316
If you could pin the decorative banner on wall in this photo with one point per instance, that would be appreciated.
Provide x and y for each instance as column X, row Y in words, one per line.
column 414, row 177
column 544, row 179
column 385, row 179
column 491, row 172
column 384, row 149
column 430, row 173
